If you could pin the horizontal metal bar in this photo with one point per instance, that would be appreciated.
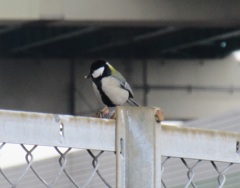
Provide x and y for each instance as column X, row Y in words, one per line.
column 205, row 144
column 57, row 130
column 230, row 89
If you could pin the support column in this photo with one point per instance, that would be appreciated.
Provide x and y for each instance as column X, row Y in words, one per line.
column 138, row 148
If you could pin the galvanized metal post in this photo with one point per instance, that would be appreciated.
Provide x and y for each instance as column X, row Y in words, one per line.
column 138, row 148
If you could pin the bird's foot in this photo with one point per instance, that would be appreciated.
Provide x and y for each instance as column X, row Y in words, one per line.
column 108, row 113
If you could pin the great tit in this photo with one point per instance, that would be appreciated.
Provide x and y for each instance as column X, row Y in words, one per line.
column 109, row 86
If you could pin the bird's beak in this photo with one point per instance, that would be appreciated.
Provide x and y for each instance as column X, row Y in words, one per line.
column 88, row 76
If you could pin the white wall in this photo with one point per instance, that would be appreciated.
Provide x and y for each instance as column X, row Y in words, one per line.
column 44, row 85
column 195, row 104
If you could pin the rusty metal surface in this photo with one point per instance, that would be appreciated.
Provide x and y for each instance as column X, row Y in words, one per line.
column 95, row 133
column 195, row 143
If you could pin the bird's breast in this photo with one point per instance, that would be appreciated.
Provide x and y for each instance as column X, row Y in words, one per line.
column 111, row 87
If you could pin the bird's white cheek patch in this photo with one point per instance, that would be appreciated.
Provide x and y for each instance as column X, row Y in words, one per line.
column 98, row 72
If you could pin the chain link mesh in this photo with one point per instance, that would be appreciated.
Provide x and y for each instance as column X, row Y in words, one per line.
column 179, row 172
column 86, row 168
column 63, row 174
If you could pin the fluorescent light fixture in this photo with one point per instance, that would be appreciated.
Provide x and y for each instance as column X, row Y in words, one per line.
column 236, row 55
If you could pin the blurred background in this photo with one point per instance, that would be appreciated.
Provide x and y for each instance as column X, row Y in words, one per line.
column 177, row 55
column 182, row 56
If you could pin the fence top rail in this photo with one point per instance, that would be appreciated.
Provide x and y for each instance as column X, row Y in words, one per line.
column 57, row 130
column 95, row 133
column 204, row 144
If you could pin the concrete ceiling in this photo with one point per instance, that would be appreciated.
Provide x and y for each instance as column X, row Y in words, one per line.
column 42, row 39
column 133, row 28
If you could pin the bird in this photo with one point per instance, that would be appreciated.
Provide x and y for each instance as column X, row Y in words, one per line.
column 109, row 86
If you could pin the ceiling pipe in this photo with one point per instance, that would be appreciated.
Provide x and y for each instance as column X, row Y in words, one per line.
column 9, row 29
column 134, row 39
column 55, row 39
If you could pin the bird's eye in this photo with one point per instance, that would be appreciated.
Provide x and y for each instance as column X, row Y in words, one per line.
column 98, row 72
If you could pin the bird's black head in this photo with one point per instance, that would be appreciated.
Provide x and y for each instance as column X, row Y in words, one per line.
column 99, row 69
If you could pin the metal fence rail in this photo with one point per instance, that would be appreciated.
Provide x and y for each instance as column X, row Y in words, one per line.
column 138, row 151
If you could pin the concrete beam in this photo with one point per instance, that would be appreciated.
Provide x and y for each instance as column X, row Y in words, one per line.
column 125, row 12
column 21, row 10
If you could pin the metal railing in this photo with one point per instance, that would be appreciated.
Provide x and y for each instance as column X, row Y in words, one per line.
column 138, row 152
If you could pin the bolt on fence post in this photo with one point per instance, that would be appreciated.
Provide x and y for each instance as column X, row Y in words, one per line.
column 138, row 148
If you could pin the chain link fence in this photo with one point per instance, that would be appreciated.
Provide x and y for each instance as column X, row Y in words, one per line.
column 85, row 168
column 66, row 168
column 180, row 172
column 83, row 152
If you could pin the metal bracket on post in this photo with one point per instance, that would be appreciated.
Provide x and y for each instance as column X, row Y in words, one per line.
column 138, row 148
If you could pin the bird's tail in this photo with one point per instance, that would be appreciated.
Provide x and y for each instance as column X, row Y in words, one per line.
column 133, row 102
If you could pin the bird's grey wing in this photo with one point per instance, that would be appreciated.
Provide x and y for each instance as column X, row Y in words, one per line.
column 126, row 86
column 123, row 83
